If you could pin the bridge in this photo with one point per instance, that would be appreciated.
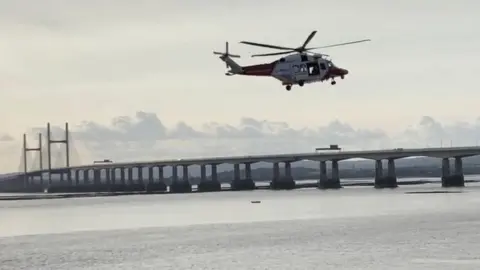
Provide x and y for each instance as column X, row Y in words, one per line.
column 149, row 175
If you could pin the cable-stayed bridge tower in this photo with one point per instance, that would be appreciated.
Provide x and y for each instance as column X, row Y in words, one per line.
column 26, row 150
column 51, row 141
column 56, row 152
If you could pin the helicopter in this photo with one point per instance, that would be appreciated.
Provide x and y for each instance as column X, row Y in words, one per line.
column 299, row 67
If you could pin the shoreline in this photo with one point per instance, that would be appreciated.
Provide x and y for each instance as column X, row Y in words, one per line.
column 46, row 196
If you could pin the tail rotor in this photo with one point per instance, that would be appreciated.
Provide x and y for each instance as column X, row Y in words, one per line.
column 226, row 53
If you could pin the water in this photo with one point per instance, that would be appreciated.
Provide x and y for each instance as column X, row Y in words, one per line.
column 352, row 228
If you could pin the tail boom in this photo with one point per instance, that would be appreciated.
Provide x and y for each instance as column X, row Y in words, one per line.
column 259, row 70
column 234, row 67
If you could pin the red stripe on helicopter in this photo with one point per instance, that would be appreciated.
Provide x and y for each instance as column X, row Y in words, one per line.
column 259, row 70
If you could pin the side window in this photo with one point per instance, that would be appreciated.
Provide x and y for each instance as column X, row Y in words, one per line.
column 299, row 68
column 296, row 68
column 322, row 66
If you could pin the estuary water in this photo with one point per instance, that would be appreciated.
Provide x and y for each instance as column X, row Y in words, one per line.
column 351, row 228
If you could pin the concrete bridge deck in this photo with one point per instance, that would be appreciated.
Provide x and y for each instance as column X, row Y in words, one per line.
column 120, row 175
column 293, row 157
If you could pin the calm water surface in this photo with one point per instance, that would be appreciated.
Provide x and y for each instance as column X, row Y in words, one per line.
column 352, row 228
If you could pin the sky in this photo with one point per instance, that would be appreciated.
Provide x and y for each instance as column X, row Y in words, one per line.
column 138, row 80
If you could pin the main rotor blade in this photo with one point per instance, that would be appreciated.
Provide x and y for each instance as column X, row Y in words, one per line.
column 339, row 44
column 266, row 45
column 270, row 54
column 309, row 38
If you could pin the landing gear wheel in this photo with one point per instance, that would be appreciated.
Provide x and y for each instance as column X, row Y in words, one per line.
column 288, row 87
column 333, row 82
column 300, row 83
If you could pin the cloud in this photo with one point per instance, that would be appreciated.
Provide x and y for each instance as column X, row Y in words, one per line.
column 5, row 137
column 144, row 137
column 143, row 127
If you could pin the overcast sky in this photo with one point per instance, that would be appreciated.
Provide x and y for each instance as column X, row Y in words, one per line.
column 92, row 62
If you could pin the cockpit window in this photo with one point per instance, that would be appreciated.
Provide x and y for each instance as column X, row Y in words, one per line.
column 322, row 66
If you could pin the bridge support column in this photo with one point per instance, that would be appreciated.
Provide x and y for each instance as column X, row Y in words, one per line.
column 161, row 177
column 77, row 177
column 329, row 183
column 392, row 174
column 456, row 179
column 182, row 186
column 284, row 181
column 69, row 177
column 122, row 177
column 152, row 185
column 113, row 173
column 276, row 176
column 134, row 185
column 108, row 177
column 385, row 181
column 140, row 179
column 159, row 186
column 86, row 177
column 174, row 173
column 209, row 185
column 242, row 184
column 130, row 177
column 151, row 179
column 97, row 177
column 116, row 186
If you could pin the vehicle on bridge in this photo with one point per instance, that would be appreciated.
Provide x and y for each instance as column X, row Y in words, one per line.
column 299, row 68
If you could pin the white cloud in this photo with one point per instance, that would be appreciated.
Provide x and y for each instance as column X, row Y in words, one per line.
column 144, row 136
column 5, row 137
column 61, row 59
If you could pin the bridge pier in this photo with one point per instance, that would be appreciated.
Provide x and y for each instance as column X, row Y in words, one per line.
column 113, row 176
column 282, row 182
column 108, row 178
column 130, row 177
column 456, row 179
column 385, row 181
column 154, row 186
column 242, row 184
column 151, row 179
column 132, row 185
column 127, row 184
column 114, row 186
column 69, row 177
column 209, row 185
column 329, row 183
column 85, row 177
column 97, row 180
column 180, row 186
column 122, row 176
column 140, row 179
column 77, row 177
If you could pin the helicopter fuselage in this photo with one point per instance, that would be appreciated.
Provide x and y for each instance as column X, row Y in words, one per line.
column 294, row 69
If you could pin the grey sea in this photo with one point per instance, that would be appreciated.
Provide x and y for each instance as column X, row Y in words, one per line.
column 351, row 228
